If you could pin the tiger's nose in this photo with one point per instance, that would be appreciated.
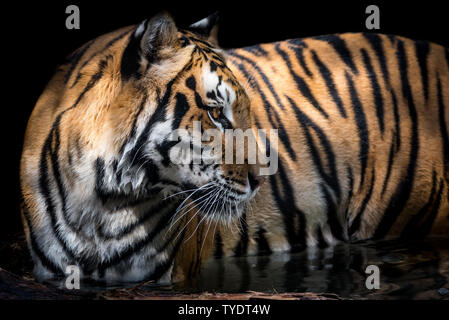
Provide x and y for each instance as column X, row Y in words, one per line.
column 255, row 181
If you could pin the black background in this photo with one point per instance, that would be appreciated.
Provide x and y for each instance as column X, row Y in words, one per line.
column 35, row 41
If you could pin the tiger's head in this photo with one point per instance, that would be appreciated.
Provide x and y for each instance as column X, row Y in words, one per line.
column 177, row 101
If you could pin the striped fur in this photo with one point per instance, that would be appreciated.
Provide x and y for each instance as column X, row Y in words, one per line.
column 363, row 146
column 363, row 149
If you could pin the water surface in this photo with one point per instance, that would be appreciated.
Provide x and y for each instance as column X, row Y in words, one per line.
column 408, row 270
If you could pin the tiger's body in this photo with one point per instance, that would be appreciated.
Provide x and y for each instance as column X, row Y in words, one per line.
column 363, row 149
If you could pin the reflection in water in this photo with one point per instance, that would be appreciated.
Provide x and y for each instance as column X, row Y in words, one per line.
column 413, row 270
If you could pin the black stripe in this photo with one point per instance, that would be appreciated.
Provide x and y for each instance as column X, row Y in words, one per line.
column 207, row 46
column 256, row 50
column 376, row 91
column 287, row 206
column 131, row 57
column 160, row 208
column 93, row 80
column 136, row 246
column 411, row 230
column 69, row 153
column 164, row 149
column 350, row 183
column 46, row 262
column 422, row 53
column 342, row 49
column 375, row 41
column 362, row 127
column 443, row 126
column 350, row 176
column 262, row 75
column 249, row 78
column 181, row 108
column 300, row 83
column 306, row 123
column 402, row 194
column 102, row 194
column 427, row 224
column 403, row 66
column 389, row 166
column 55, row 165
column 327, row 76
column 133, row 131
column 125, row 201
column 269, row 110
column 242, row 246
column 75, row 58
column 263, row 247
column 355, row 226
column 107, row 46
column 44, row 182
column 393, row 39
column 218, row 252
column 297, row 46
column 397, row 120
column 332, row 214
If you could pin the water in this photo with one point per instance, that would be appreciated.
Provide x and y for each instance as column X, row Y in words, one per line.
column 412, row 270
column 408, row 270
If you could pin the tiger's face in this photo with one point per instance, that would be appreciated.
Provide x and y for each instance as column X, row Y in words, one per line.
column 188, row 110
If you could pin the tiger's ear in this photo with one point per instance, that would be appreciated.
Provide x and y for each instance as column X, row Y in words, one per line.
column 207, row 28
column 149, row 42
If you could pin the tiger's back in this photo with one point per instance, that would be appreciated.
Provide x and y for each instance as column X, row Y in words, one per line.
column 363, row 142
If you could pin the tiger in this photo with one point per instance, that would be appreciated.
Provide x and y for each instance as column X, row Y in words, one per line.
column 362, row 151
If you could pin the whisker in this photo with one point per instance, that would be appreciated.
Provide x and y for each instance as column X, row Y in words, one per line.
column 188, row 222
column 193, row 205
column 196, row 213
column 205, row 237
column 185, row 191
column 144, row 163
column 182, row 206
column 198, row 225
column 215, row 206
column 200, row 188
column 235, row 220
column 137, row 152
